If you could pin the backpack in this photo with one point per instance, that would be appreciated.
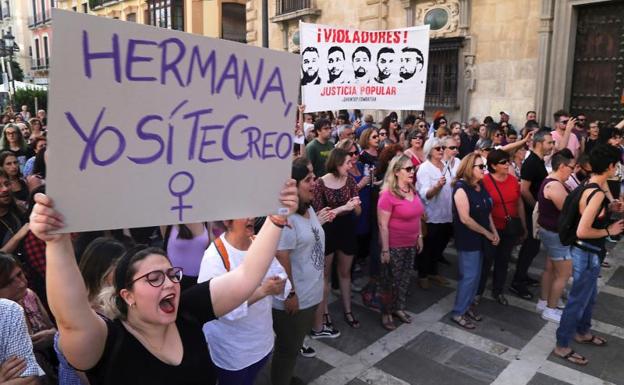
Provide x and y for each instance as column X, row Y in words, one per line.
column 570, row 217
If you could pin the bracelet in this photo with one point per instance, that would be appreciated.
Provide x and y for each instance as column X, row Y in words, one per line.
column 608, row 233
column 278, row 220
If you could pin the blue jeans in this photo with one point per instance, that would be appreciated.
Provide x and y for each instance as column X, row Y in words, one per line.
column 469, row 275
column 577, row 315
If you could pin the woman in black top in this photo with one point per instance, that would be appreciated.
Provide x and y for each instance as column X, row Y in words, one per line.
column 157, row 337
column 10, row 165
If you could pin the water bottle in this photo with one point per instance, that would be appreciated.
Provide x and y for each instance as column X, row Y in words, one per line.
column 372, row 175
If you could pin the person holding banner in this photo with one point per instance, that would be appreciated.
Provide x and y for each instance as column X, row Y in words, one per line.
column 338, row 191
column 157, row 336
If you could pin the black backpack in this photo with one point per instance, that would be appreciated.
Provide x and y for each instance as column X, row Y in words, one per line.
column 570, row 217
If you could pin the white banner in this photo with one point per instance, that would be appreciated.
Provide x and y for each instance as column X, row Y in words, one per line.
column 150, row 126
column 348, row 68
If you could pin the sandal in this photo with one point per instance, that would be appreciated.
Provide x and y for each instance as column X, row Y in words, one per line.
column 403, row 317
column 463, row 322
column 592, row 340
column 605, row 264
column 327, row 320
column 474, row 315
column 387, row 323
column 351, row 321
column 573, row 357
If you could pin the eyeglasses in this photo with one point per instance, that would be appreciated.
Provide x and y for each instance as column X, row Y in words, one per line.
column 374, row 136
column 564, row 121
column 408, row 169
column 382, row 134
column 452, row 148
column 439, row 148
column 498, row 134
column 421, row 126
column 481, row 166
column 571, row 166
column 419, row 137
column 353, row 153
column 488, row 149
column 156, row 278
column 393, row 121
column 9, row 132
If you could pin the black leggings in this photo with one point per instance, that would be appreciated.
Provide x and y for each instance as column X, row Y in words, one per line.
column 438, row 237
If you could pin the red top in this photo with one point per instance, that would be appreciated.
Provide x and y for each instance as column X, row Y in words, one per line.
column 510, row 189
column 404, row 223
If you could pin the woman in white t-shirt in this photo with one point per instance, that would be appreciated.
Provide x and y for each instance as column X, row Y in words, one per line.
column 301, row 251
column 241, row 341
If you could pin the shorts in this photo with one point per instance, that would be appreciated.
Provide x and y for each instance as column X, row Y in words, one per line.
column 340, row 235
column 555, row 250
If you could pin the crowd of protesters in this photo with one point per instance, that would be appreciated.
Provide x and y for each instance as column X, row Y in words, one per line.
column 198, row 303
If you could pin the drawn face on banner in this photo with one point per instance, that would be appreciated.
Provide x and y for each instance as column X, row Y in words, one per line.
column 310, row 63
column 361, row 62
column 335, row 63
column 385, row 62
column 412, row 61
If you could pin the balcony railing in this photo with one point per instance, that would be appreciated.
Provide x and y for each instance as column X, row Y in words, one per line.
column 100, row 3
column 40, row 64
column 287, row 6
column 34, row 20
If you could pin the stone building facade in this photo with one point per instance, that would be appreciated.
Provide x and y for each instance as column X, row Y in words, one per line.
column 487, row 56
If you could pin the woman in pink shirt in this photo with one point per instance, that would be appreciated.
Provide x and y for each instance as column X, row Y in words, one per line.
column 399, row 210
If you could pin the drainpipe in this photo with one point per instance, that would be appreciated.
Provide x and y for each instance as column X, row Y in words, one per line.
column 265, row 23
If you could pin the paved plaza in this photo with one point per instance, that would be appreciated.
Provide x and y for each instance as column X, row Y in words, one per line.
column 512, row 345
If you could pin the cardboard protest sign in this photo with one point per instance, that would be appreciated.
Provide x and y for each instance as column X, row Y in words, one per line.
column 349, row 68
column 150, row 126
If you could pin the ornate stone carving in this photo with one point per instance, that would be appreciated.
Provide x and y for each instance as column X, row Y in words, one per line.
column 451, row 29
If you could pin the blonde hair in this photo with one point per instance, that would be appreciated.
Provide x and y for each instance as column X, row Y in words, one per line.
column 391, row 182
column 346, row 144
column 465, row 171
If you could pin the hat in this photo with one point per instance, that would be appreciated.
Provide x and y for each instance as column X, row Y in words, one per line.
column 482, row 144
column 505, row 112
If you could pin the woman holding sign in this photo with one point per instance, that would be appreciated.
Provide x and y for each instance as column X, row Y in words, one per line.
column 157, row 336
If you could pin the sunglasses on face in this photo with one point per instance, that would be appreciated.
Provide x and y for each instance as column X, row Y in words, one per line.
column 408, row 169
column 418, row 138
column 353, row 153
column 156, row 278
column 374, row 136
column 393, row 121
column 439, row 148
column 421, row 126
column 481, row 166
column 382, row 134
column 503, row 162
column 564, row 122
column 488, row 149
column 452, row 148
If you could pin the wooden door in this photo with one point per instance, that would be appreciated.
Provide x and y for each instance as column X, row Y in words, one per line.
column 598, row 77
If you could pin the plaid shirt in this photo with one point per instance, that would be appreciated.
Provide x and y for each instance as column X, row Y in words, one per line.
column 14, row 338
column 35, row 248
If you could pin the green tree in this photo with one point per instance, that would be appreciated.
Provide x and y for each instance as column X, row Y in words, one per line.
column 18, row 73
column 27, row 97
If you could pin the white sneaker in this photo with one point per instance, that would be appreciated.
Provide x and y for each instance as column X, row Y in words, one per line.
column 541, row 305
column 552, row 315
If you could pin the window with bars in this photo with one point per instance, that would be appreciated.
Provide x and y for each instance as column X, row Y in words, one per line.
column 442, row 74
column 166, row 14
column 287, row 6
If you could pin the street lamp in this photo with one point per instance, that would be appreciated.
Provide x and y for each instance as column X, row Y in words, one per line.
column 9, row 41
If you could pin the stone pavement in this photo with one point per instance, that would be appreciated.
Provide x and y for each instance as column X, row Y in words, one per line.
column 511, row 346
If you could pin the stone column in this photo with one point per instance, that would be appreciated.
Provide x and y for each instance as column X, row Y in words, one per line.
column 543, row 59
column 409, row 12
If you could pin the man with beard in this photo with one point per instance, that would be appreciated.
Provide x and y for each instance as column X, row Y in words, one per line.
column 361, row 61
column 335, row 65
column 412, row 61
column 385, row 61
column 310, row 66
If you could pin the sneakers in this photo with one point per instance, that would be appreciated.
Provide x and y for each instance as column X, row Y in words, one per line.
column 326, row 332
column 561, row 305
column 307, row 351
column 552, row 315
column 541, row 305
